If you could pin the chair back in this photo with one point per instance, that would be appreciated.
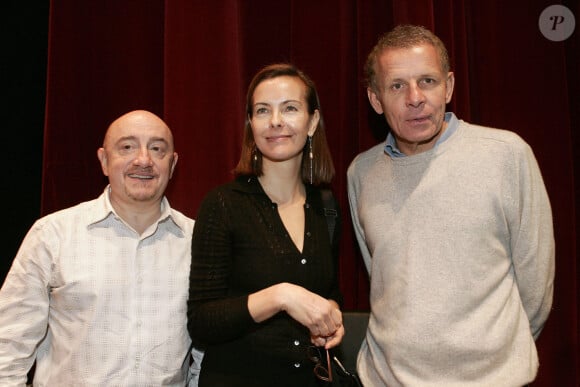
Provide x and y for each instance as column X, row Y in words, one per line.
column 355, row 327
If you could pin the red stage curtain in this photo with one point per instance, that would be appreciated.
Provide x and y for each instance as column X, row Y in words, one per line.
column 190, row 62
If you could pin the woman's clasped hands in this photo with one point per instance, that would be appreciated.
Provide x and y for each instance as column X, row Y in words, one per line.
column 320, row 315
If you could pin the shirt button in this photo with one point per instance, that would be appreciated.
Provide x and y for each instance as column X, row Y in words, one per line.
column 308, row 234
column 303, row 261
column 296, row 342
column 296, row 365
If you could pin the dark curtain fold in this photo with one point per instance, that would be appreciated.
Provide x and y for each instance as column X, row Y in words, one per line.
column 190, row 62
column 203, row 85
column 104, row 58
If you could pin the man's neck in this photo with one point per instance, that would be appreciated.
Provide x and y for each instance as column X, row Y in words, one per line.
column 138, row 215
column 415, row 148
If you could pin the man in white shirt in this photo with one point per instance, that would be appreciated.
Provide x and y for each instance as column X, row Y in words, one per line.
column 97, row 293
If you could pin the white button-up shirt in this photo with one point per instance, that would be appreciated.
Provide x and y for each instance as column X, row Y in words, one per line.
column 97, row 304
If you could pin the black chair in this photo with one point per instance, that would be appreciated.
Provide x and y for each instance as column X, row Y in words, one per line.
column 355, row 326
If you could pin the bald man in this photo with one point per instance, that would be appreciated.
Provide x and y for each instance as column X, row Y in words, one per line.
column 97, row 293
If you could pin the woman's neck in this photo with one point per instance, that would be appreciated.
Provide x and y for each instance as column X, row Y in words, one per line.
column 283, row 187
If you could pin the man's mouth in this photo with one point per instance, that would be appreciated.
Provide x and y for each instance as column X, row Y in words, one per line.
column 418, row 120
column 140, row 176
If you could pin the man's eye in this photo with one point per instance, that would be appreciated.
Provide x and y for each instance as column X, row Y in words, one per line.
column 126, row 147
column 429, row 81
column 158, row 149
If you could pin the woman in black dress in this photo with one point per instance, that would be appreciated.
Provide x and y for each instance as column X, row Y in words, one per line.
column 264, row 286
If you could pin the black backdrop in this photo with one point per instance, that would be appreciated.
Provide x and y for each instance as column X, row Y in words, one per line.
column 23, row 73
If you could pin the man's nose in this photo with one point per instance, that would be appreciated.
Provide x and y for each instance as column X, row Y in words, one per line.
column 143, row 157
column 415, row 96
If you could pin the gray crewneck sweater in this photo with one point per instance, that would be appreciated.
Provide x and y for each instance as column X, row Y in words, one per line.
column 458, row 242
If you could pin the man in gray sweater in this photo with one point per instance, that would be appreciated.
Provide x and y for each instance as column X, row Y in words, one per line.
column 455, row 228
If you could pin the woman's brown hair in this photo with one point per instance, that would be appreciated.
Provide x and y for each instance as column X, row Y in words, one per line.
column 251, row 159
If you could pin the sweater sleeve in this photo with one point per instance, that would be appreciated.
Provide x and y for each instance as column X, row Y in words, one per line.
column 353, row 181
column 213, row 315
column 533, row 247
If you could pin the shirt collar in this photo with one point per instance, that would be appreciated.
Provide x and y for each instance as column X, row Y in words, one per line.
column 452, row 123
column 251, row 185
column 248, row 184
column 104, row 210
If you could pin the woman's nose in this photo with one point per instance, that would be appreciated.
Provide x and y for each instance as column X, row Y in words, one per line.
column 276, row 119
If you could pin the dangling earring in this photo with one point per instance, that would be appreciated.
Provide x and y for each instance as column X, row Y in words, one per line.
column 255, row 159
column 310, row 156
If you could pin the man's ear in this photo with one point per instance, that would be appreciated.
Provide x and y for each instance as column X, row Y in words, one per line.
column 450, row 83
column 102, row 156
column 173, row 164
column 374, row 100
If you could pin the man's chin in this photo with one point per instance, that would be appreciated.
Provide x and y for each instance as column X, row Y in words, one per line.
column 142, row 194
column 143, row 198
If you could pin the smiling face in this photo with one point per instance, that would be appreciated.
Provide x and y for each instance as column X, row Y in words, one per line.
column 412, row 92
column 280, row 120
column 138, row 157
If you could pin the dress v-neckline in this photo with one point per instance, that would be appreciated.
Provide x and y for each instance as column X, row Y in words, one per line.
column 287, row 233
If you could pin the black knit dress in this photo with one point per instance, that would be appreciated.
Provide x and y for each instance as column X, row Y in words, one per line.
column 241, row 246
